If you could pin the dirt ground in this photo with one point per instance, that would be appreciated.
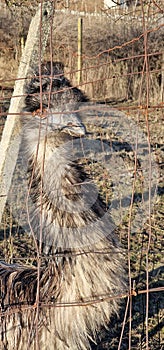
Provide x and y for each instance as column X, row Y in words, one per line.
column 17, row 246
column 144, row 245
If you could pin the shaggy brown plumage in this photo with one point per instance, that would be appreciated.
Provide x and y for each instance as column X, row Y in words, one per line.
column 84, row 263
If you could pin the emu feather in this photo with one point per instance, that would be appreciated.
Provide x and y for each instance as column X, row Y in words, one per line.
column 83, row 261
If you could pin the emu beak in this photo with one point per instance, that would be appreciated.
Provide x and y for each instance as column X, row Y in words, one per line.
column 75, row 129
column 73, row 126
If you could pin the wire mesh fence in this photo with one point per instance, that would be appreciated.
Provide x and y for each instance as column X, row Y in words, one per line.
column 93, row 177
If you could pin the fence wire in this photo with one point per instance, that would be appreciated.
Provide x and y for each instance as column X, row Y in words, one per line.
column 122, row 75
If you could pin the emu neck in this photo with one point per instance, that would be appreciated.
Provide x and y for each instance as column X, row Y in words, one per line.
column 63, row 195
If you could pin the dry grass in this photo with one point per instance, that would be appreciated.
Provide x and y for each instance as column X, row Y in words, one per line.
column 18, row 246
column 107, row 81
column 107, row 73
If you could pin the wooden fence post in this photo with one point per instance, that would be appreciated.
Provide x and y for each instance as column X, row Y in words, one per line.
column 9, row 146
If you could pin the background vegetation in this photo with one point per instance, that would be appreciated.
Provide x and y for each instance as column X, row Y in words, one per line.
column 122, row 52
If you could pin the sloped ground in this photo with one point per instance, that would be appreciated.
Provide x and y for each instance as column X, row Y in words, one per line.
column 16, row 245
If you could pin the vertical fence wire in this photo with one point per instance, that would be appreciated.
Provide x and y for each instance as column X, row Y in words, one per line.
column 101, row 74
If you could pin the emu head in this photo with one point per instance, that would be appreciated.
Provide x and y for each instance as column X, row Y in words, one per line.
column 53, row 102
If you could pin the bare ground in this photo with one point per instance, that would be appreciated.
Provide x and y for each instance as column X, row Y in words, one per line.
column 16, row 245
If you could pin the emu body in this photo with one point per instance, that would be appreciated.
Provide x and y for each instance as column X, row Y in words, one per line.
column 83, row 261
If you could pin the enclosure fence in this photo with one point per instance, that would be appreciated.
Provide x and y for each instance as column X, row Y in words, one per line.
column 116, row 57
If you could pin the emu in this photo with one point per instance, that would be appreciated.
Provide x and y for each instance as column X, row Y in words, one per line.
column 83, row 266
